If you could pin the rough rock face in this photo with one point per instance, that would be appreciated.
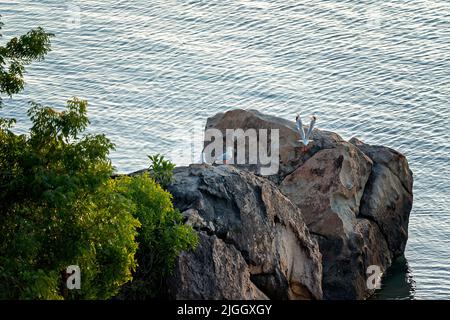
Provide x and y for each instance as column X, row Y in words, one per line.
column 216, row 270
column 253, row 241
column 388, row 198
column 328, row 189
column 289, row 147
column 355, row 198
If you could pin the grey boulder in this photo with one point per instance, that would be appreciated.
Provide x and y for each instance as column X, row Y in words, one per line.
column 254, row 243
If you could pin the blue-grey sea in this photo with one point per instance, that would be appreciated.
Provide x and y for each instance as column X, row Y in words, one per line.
column 153, row 71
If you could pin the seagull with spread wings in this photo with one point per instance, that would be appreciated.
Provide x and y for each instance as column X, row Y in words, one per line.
column 304, row 136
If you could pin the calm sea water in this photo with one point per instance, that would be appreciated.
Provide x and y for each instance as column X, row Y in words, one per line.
column 153, row 71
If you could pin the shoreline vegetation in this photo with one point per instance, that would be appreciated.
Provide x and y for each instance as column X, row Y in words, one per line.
column 60, row 207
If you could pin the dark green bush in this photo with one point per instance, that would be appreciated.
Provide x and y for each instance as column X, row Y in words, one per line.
column 16, row 54
column 59, row 207
column 162, row 236
column 161, row 169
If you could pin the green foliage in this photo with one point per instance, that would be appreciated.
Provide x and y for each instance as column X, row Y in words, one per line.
column 162, row 237
column 59, row 207
column 161, row 169
column 16, row 54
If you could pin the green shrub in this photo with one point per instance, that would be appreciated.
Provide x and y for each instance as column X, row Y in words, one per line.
column 162, row 236
column 59, row 207
column 16, row 54
column 161, row 169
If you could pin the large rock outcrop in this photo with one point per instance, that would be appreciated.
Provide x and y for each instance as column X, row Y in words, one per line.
column 355, row 198
column 254, row 243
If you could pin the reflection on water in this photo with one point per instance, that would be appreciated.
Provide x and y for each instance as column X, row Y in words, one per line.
column 397, row 283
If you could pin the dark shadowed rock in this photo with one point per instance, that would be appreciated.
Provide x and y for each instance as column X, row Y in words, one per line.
column 253, row 241
column 388, row 197
column 216, row 270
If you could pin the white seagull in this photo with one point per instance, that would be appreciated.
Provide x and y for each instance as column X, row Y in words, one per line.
column 225, row 157
column 202, row 157
column 305, row 136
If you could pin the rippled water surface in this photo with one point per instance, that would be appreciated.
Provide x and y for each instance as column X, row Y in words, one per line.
column 153, row 71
